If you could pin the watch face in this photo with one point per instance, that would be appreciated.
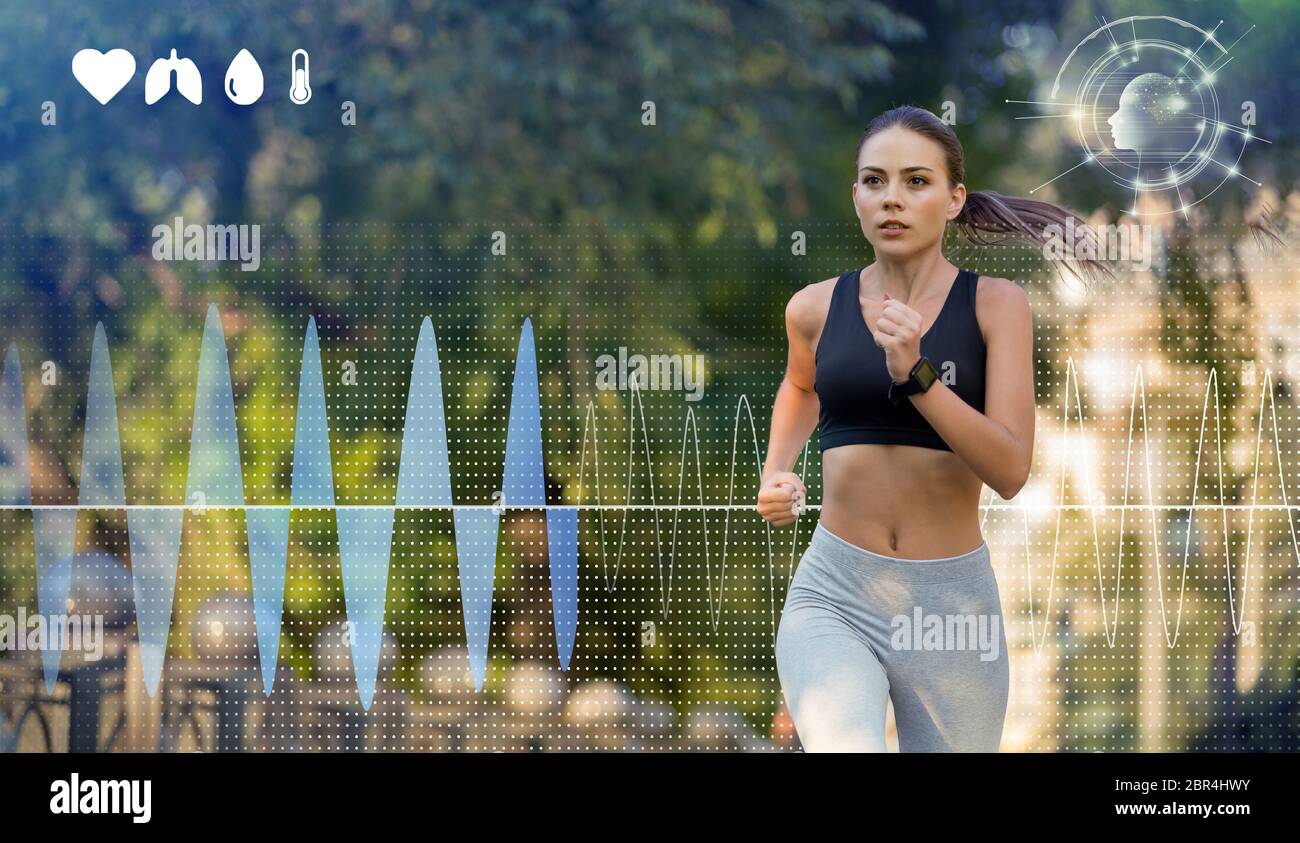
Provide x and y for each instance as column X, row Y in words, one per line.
column 925, row 373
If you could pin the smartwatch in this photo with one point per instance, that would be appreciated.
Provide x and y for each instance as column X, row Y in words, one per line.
column 919, row 380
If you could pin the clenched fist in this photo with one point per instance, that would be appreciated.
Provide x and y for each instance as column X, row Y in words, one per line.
column 782, row 498
column 898, row 332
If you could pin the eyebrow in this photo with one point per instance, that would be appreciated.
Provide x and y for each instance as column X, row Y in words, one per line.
column 905, row 169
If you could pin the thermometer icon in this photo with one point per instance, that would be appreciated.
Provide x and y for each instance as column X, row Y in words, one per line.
column 300, row 90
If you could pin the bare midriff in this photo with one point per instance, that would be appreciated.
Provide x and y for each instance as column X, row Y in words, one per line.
column 901, row 500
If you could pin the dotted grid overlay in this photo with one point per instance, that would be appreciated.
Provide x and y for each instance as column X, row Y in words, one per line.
column 1118, row 640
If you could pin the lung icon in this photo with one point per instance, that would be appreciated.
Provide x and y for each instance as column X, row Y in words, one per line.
column 159, row 80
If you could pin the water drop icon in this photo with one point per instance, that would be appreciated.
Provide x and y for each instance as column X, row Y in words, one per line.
column 244, row 79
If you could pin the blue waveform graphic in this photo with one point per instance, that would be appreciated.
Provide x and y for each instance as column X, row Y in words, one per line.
column 424, row 481
column 215, row 478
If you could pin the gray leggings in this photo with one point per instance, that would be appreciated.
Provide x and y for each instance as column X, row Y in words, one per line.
column 859, row 627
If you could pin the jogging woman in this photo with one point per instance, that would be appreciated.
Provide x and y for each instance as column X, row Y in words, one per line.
column 919, row 376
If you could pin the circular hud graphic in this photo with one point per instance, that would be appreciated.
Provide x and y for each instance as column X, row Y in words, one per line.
column 1144, row 96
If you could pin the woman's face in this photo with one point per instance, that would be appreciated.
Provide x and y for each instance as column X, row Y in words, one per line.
column 902, row 177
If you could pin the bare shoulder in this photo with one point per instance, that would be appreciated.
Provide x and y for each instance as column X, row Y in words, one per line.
column 999, row 302
column 806, row 311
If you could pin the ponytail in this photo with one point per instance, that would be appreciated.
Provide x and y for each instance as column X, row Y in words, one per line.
column 988, row 212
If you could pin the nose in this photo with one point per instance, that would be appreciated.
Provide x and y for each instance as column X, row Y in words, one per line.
column 893, row 199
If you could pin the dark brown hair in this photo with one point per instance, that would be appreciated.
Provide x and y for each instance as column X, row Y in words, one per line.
column 986, row 212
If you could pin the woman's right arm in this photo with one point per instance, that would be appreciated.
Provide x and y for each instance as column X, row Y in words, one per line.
column 794, row 413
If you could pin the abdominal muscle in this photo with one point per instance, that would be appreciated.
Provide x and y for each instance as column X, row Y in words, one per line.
column 901, row 500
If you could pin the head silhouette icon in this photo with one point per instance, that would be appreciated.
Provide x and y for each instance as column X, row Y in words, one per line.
column 1154, row 117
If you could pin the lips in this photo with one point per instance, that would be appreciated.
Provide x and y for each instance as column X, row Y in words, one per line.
column 892, row 225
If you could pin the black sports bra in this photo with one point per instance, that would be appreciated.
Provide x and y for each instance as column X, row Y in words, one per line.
column 852, row 382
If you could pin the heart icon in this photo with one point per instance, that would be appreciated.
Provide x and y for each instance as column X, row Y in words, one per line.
column 103, row 74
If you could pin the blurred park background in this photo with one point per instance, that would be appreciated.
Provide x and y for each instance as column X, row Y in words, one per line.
column 1137, row 629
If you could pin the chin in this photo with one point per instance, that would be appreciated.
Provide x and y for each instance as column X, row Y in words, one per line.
column 900, row 248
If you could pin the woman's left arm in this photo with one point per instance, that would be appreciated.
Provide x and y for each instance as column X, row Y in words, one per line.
column 997, row 444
